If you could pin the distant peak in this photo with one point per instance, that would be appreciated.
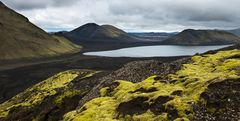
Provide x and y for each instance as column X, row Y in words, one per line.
column 86, row 29
column 91, row 24
column 108, row 26
column 188, row 30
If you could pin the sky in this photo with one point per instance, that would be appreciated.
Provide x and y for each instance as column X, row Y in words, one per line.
column 131, row 15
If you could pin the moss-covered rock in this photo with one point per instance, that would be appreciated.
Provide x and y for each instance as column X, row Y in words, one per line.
column 49, row 96
column 171, row 97
column 222, row 102
column 190, row 91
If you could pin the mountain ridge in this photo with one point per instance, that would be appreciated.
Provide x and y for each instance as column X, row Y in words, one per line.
column 20, row 39
column 234, row 31
column 202, row 37
column 92, row 32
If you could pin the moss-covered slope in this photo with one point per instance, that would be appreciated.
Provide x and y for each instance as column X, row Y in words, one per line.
column 172, row 97
column 203, row 87
column 51, row 98
column 20, row 39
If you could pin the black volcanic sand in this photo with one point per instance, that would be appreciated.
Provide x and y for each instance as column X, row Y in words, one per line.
column 87, row 47
column 15, row 80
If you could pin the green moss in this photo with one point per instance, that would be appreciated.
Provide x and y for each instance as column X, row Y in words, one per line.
column 192, row 80
column 182, row 119
column 98, row 110
column 4, row 113
column 105, row 108
column 148, row 116
column 34, row 119
column 67, row 94
column 35, row 95
column 103, row 91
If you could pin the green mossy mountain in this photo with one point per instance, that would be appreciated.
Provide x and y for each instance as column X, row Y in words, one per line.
column 20, row 39
column 202, row 87
column 202, row 37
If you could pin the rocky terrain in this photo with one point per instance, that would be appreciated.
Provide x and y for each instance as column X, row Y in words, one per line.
column 50, row 98
column 20, row 39
column 202, row 87
column 202, row 37
column 16, row 80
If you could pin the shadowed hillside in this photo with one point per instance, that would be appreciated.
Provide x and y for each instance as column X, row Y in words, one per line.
column 234, row 31
column 94, row 37
column 202, row 37
column 21, row 39
column 92, row 32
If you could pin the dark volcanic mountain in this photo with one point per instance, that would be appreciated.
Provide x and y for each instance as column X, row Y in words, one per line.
column 235, row 31
column 92, row 32
column 154, row 36
column 21, row 39
column 203, row 37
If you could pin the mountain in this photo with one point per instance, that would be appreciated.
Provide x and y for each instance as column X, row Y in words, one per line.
column 204, row 87
column 20, row 39
column 154, row 36
column 202, row 37
column 234, row 31
column 92, row 32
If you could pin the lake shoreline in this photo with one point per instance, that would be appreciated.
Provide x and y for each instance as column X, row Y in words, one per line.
column 155, row 51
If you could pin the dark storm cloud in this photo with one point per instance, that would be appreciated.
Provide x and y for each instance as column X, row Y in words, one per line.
column 181, row 11
column 36, row 4
column 166, row 15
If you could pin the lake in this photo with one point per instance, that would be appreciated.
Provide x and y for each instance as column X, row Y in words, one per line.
column 155, row 51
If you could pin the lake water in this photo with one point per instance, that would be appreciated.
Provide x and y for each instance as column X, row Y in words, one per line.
column 155, row 51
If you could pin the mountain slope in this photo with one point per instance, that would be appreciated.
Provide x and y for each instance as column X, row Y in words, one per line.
column 234, row 31
column 154, row 36
column 202, row 37
column 202, row 87
column 21, row 39
column 206, row 83
column 59, row 94
column 92, row 32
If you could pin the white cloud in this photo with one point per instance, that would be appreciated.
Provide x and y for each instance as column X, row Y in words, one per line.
column 164, row 15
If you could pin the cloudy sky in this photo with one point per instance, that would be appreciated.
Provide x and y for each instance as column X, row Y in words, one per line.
column 131, row 15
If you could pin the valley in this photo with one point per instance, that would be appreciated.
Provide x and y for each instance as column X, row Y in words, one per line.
column 99, row 72
column 15, row 79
